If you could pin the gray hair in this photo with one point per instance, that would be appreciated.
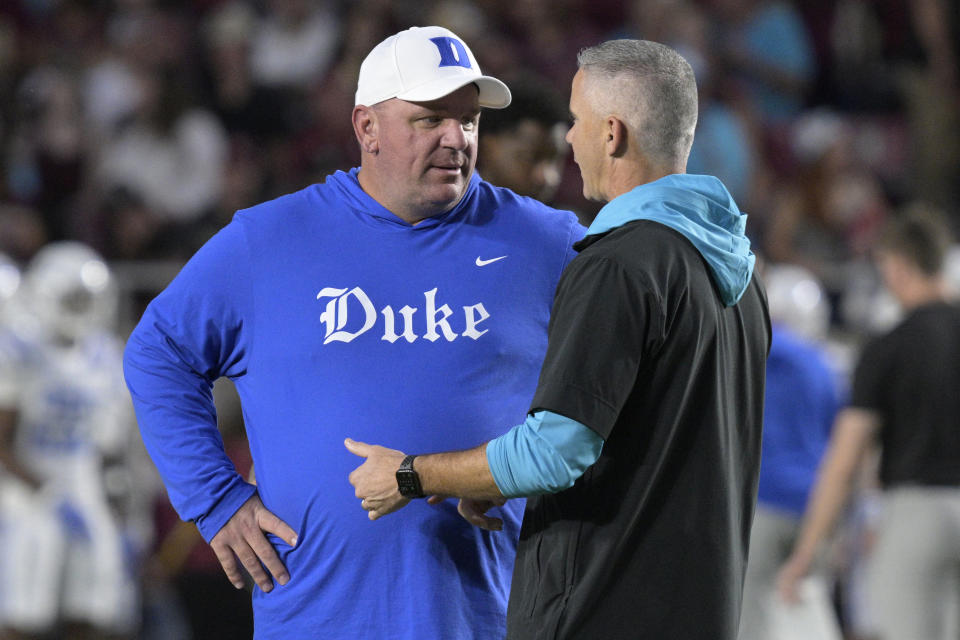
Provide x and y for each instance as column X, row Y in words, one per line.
column 651, row 87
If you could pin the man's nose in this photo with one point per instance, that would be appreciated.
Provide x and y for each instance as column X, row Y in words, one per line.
column 454, row 134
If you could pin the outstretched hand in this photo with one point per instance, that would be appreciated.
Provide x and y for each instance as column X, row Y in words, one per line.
column 243, row 538
column 375, row 481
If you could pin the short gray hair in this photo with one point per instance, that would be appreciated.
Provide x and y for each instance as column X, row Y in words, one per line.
column 651, row 87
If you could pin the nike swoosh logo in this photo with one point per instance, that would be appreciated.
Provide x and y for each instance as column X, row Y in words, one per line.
column 483, row 263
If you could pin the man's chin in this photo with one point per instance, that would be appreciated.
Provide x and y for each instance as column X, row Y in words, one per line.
column 445, row 197
column 449, row 186
column 593, row 196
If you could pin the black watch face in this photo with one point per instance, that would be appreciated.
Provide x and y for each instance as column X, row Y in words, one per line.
column 408, row 483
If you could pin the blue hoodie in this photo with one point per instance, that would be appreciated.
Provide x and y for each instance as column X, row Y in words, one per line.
column 335, row 318
column 700, row 208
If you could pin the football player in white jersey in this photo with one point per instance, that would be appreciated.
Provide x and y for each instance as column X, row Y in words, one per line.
column 63, row 413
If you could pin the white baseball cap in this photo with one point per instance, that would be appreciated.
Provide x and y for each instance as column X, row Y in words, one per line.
column 422, row 64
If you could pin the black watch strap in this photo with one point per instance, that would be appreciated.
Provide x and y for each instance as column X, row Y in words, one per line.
column 408, row 480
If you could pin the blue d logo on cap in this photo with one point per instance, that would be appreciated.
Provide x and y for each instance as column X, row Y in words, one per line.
column 452, row 52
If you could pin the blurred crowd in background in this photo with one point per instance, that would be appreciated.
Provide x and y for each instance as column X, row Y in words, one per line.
column 138, row 127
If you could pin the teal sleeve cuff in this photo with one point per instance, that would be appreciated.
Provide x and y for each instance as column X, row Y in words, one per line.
column 544, row 454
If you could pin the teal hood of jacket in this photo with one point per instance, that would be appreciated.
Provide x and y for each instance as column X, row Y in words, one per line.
column 700, row 208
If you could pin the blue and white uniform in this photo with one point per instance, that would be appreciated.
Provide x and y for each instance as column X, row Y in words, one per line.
column 801, row 400
column 335, row 318
column 63, row 549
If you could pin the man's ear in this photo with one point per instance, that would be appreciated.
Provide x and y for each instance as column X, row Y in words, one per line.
column 616, row 137
column 366, row 128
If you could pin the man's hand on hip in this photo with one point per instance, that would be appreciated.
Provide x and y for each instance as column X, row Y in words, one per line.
column 243, row 538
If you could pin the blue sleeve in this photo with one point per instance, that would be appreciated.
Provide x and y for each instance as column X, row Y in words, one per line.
column 194, row 332
column 544, row 454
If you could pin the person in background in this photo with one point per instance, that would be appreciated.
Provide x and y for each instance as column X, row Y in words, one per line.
column 65, row 422
column 522, row 147
column 802, row 398
column 903, row 398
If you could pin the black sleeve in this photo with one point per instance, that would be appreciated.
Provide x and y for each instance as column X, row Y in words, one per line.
column 603, row 321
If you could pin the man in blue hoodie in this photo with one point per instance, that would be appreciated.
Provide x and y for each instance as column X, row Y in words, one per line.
column 641, row 448
column 405, row 300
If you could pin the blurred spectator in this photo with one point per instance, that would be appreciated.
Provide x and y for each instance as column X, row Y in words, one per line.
column 766, row 54
column 931, row 88
column 827, row 217
column 243, row 105
column 766, row 46
column 23, row 231
column 857, row 77
column 244, row 184
column 46, row 156
column 139, row 38
column 464, row 17
column 319, row 148
column 8, row 58
column 294, row 44
column 547, row 35
column 724, row 144
column 900, row 59
column 171, row 155
column 130, row 229
column 522, row 148
column 111, row 90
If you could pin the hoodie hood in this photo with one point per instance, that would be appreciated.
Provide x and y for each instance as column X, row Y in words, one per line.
column 700, row 208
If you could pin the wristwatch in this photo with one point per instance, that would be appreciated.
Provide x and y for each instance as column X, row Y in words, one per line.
column 408, row 481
